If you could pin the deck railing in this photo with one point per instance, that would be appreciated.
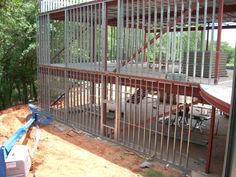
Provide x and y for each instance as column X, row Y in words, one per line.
column 49, row 5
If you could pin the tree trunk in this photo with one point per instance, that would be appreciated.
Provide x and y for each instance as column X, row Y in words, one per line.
column 19, row 93
column 10, row 94
column 25, row 93
column 35, row 92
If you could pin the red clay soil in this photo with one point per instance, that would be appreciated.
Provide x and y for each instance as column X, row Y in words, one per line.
column 63, row 151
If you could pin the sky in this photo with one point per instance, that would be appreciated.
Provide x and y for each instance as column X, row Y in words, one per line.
column 228, row 35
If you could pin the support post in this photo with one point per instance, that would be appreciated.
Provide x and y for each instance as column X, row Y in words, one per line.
column 217, row 63
column 66, row 104
column 207, row 42
column 229, row 169
column 210, row 140
column 202, row 39
column 144, row 52
column 118, row 111
column 105, row 37
column 104, row 80
column 2, row 163
column 93, row 97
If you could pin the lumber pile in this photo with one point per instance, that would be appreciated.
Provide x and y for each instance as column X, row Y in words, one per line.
column 222, row 67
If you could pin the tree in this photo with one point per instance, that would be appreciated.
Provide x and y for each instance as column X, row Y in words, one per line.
column 17, row 52
column 225, row 47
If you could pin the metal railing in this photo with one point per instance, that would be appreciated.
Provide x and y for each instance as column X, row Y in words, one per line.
column 49, row 5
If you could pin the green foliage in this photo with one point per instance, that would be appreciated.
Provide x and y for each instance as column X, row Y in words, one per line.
column 228, row 50
column 225, row 47
column 168, row 45
column 153, row 173
column 190, row 40
column 17, row 52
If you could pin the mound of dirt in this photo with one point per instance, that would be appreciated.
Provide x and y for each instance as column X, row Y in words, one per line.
column 12, row 119
column 63, row 151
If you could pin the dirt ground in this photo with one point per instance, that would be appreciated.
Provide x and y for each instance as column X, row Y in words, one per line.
column 63, row 151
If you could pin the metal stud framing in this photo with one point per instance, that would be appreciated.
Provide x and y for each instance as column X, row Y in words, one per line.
column 125, row 69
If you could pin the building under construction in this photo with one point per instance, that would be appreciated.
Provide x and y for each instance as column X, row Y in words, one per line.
column 136, row 72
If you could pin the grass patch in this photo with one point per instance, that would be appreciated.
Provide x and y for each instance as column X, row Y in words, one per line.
column 230, row 64
column 153, row 173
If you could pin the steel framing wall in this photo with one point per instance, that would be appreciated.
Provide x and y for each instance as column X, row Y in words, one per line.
column 115, row 69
